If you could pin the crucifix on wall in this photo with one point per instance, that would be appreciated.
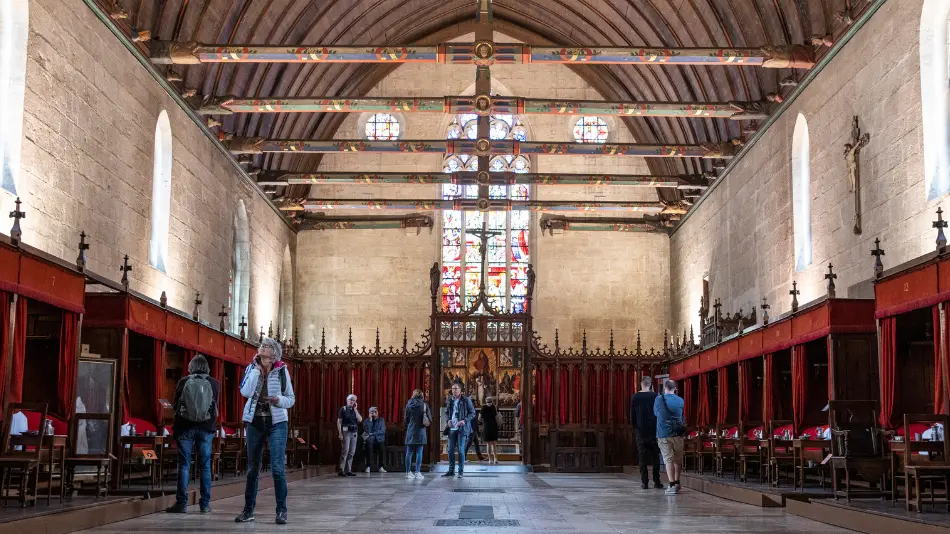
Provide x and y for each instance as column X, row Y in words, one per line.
column 484, row 234
column 852, row 151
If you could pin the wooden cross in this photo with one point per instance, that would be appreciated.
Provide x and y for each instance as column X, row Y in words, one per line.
column 765, row 310
column 242, row 324
column 15, row 233
column 223, row 315
column 194, row 313
column 83, row 247
column 877, row 252
column 716, row 307
column 483, row 234
column 125, row 268
column 852, row 151
column 794, row 293
column 940, row 224
column 830, row 277
column 261, row 335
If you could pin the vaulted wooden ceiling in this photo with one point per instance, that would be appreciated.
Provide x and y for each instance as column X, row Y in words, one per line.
column 655, row 23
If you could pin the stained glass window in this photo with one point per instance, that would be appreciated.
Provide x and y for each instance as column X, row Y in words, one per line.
column 382, row 127
column 506, row 252
column 590, row 130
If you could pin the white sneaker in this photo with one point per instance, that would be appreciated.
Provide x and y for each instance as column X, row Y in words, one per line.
column 418, row 475
column 672, row 490
column 410, row 476
column 382, row 469
column 367, row 470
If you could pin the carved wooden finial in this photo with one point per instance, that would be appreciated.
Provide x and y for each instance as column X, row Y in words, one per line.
column 557, row 341
column 765, row 310
column 877, row 252
column 584, row 343
column 125, row 268
column 405, row 340
column 323, row 340
column 260, row 336
column 349, row 342
column 940, row 224
column 612, row 340
column 223, row 314
column 195, row 312
column 243, row 325
column 15, row 233
column 296, row 336
column 830, row 277
column 83, row 247
column 377, row 339
column 794, row 293
column 692, row 338
column 666, row 342
column 270, row 329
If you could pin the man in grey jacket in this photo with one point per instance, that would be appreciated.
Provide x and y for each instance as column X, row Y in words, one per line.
column 269, row 393
column 459, row 413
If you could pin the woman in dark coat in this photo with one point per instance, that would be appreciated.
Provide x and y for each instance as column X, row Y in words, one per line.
column 416, row 412
column 490, row 432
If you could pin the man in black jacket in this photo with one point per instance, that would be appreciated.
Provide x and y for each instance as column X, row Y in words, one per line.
column 644, row 423
column 189, row 434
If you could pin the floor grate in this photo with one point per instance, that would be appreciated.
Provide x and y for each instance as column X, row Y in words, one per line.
column 478, row 490
column 477, row 523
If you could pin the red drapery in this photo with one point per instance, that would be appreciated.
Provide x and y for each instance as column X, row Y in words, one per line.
column 687, row 399
column 4, row 332
column 19, row 352
column 548, row 398
column 385, row 382
column 768, row 412
column 399, row 396
column 621, row 400
column 217, row 372
column 158, row 377
column 68, row 360
column 593, row 409
column 722, row 395
column 189, row 355
column 576, row 394
column 356, row 375
column 702, row 413
column 799, row 386
column 888, row 360
column 126, row 390
column 328, row 381
column 562, row 394
column 745, row 383
column 304, row 397
column 938, row 369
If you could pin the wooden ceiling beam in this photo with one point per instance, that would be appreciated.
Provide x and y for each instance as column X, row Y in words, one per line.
column 494, row 105
column 317, row 204
column 557, row 224
column 283, row 178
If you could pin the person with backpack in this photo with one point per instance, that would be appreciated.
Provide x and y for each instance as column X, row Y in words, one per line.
column 417, row 417
column 196, row 413
column 670, row 429
column 269, row 393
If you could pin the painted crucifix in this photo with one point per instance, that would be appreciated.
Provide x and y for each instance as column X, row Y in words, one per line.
column 484, row 234
column 852, row 151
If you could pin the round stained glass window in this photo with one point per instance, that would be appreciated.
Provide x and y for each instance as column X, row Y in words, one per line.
column 382, row 127
column 590, row 130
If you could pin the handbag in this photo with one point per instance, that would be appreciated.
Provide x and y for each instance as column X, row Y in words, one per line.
column 498, row 419
column 677, row 428
column 426, row 419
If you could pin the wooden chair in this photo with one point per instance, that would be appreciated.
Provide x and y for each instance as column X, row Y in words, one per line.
column 100, row 458
column 706, row 447
column 691, row 449
column 725, row 446
column 747, row 451
column 780, row 452
column 233, row 449
column 932, row 468
column 857, row 447
column 23, row 464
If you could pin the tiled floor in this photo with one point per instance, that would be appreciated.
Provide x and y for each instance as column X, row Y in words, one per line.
column 540, row 502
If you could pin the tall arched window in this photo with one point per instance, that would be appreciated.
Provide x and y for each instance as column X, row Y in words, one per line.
column 240, row 268
column 801, row 193
column 506, row 283
column 286, row 305
column 14, row 32
column 935, row 96
column 161, row 193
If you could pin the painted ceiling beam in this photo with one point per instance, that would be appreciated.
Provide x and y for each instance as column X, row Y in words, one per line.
column 281, row 178
column 480, row 147
column 487, row 106
column 314, row 204
column 481, row 53
column 561, row 224
column 382, row 222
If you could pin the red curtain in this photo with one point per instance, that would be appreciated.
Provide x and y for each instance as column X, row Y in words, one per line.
column 768, row 412
column 722, row 395
column 745, row 384
column 546, row 413
column 68, row 360
column 938, row 369
column 4, row 332
column 888, row 361
column 702, row 407
column 357, row 380
column 687, row 399
column 799, row 386
column 19, row 352
column 327, row 383
column 593, row 410
column 158, row 377
column 398, row 397
column 562, row 394
column 127, row 389
column 189, row 355
column 217, row 372
column 239, row 400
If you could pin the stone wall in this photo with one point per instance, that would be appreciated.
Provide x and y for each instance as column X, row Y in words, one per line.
column 741, row 236
column 88, row 138
column 586, row 280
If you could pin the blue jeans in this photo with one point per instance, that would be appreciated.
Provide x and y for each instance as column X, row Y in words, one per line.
column 186, row 441
column 413, row 450
column 276, row 437
column 457, row 444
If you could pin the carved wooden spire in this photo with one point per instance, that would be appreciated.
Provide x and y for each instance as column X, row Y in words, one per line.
column 830, row 277
column 223, row 315
column 83, row 247
column 940, row 224
column 794, row 293
column 196, row 312
column 243, row 325
column 877, row 252
column 765, row 310
column 125, row 268
column 15, row 233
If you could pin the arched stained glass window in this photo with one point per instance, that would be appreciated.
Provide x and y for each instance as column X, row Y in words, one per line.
column 935, row 95
column 590, row 130
column 801, row 193
column 382, row 127
column 240, row 290
column 14, row 32
column 507, row 260
column 161, row 193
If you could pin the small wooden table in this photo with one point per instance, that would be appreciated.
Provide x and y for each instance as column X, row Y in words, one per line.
column 799, row 446
column 52, row 445
column 127, row 445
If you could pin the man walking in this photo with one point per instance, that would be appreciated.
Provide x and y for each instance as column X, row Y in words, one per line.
column 644, row 423
column 460, row 412
column 196, row 411
column 374, row 440
column 670, row 429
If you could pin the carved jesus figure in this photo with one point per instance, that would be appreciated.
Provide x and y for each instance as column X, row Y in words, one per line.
column 852, row 149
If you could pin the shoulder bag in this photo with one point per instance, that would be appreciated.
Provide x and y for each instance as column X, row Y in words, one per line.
column 676, row 426
column 426, row 419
